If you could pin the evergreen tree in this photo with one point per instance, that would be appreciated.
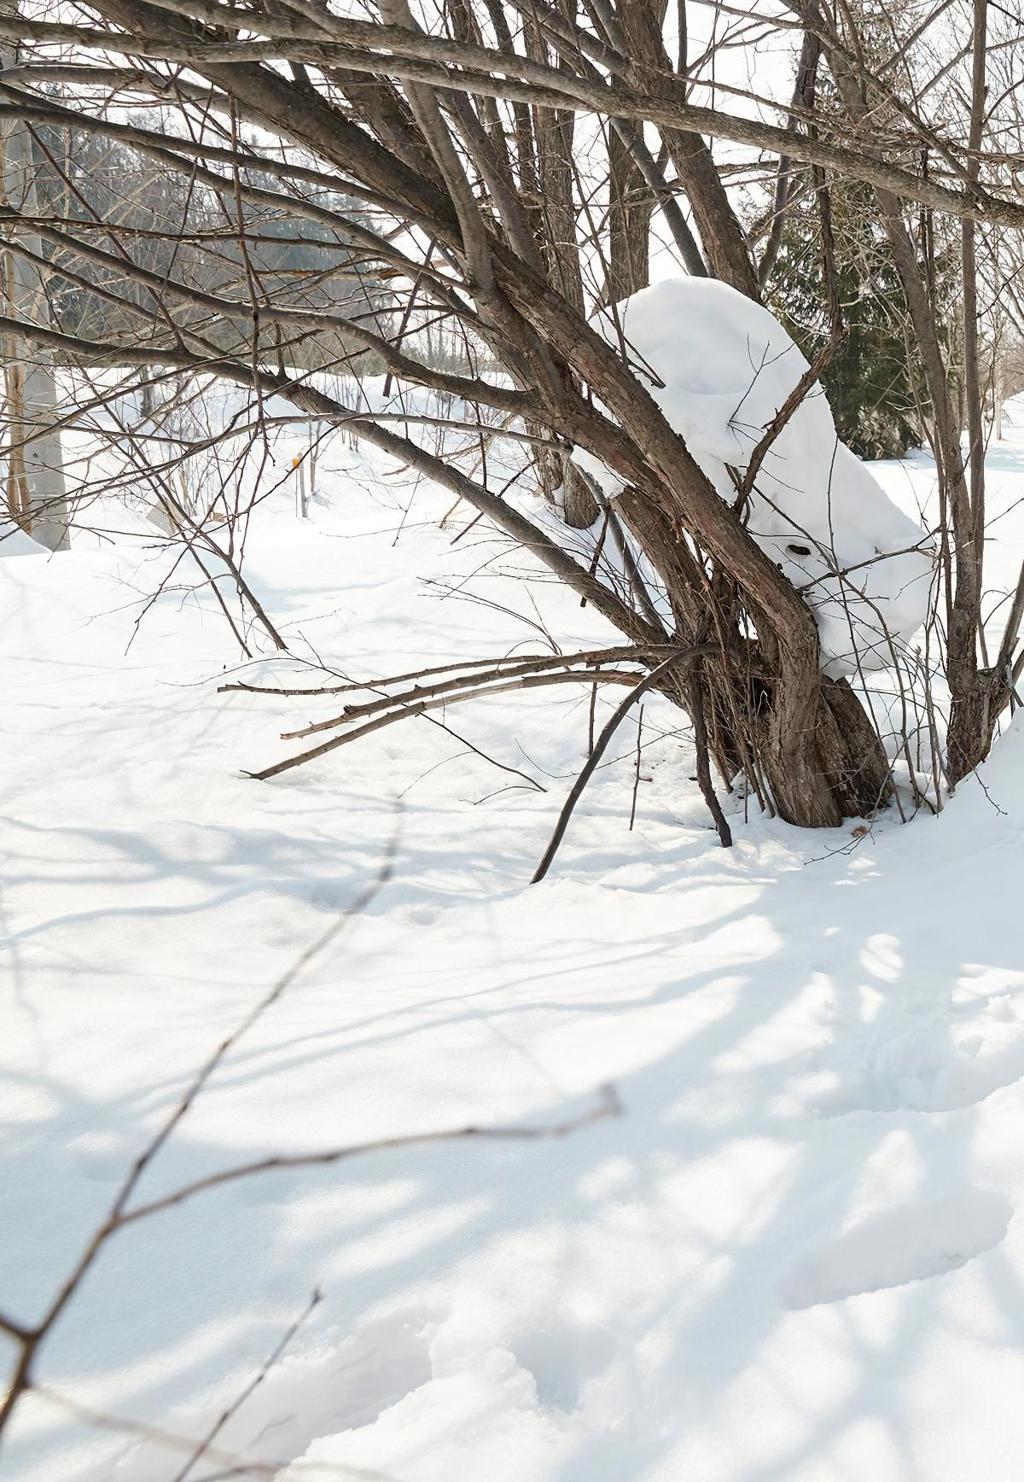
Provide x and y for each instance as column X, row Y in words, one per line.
column 871, row 383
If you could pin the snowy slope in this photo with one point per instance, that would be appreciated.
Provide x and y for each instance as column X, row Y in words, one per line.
column 796, row 1255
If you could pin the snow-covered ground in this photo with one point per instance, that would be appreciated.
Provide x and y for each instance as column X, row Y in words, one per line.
column 794, row 1256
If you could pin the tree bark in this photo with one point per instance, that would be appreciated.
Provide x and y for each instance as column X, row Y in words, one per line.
column 630, row 207
column 37, row 495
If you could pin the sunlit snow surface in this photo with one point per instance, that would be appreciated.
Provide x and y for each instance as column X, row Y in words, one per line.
column 797, row 1255
column 720, row 367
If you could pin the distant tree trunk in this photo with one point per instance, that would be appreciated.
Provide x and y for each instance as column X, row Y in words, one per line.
column 553, row 131
column 998, row 395
column 36, row 493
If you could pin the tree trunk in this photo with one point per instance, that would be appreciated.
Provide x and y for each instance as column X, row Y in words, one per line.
column 804, row 743
column 553, row 134
column 630, row 207
column 722, row 239
column 36, row 493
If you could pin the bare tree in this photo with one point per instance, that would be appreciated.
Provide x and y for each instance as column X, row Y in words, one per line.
column 497, row 165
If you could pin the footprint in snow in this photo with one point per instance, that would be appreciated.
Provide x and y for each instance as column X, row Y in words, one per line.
column 908, row 1243
column 561, row 1358
column 934, row 1066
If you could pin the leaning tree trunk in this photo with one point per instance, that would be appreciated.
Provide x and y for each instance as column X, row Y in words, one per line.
column 803, row 742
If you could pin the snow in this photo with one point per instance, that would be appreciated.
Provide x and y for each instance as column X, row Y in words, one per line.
column 720, row 367
column 909, row 1242
column 15, row 542
column 795, row 1255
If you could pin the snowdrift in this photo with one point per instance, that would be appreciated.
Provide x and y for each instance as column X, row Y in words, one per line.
column 14, row 542
column 720, row 367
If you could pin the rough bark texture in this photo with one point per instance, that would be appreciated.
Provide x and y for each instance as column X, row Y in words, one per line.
column 630, row 206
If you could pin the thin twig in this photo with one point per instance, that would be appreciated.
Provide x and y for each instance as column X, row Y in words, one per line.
column 231, row 1410
column 683, row 656
column 31, row 1339
column 636, row 772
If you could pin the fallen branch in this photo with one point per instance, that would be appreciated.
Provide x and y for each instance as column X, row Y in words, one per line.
column 529, row 681
column 606, row 1104
column 538, row 661
column 515, row 670
column 30, row 1338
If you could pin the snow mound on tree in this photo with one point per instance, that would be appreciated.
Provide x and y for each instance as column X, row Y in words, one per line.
column 720, row 367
